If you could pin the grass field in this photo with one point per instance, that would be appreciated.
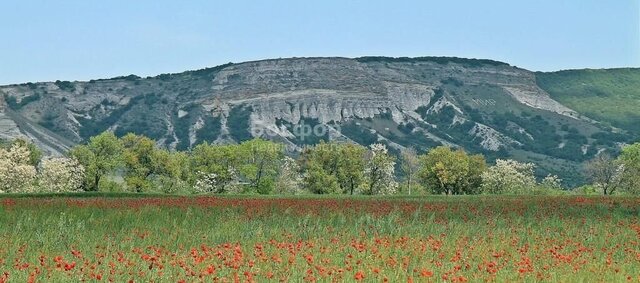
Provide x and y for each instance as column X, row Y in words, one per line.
column 240, row 239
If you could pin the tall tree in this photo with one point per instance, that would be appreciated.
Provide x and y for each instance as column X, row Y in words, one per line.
column 140, row 161
column 172, row 169
column 261, row 161
column 101, row 156
column 333, row 167
column 320, row 165
column 350, row 174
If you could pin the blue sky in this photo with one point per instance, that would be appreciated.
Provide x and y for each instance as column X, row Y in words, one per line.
column 81, row 40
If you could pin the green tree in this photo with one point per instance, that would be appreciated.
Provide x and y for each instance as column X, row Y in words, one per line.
column 630, row 160
column 350, row 172
column 347, row 168
column 215, row 167
column 450, row 172
column 100, row 157
column 317, row 180
column 172, row 171
column 261, row 160
column 320, row 165
column 139, row 161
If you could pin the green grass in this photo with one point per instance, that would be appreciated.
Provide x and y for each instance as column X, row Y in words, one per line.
column 498, row 238
column 611, row 96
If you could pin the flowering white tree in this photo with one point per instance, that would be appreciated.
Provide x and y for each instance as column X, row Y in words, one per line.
column 606, row 173
column 206, row 183
column 213, row 183
column 551, row 182
column 380, row 171
column 508, row 176
column 289, row 180
column 17, row 175
column 60, row 174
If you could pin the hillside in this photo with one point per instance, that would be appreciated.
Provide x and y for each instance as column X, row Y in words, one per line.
column 611, row 96
column 482, row 105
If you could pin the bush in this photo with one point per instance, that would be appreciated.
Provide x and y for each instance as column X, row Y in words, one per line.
column 65, row 85
column 15, row 105
column 587, row 190
column 108, row 185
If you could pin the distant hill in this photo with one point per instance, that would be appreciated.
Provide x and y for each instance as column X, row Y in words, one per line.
column 557, row 120
column 610, row 96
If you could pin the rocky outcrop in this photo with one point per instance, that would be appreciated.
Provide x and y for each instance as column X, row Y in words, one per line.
column 536, row 98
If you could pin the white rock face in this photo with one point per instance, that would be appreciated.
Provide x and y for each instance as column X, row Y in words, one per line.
column 491, row 139
column 8, row 128
column 537, row 98
column 442, row 103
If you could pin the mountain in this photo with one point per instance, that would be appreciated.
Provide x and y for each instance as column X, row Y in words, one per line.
column 557, row 120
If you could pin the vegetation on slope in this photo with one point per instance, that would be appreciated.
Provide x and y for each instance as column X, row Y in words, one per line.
column 611, row 96
column 468, row 62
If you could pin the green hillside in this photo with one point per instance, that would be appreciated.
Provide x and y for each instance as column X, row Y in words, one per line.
column 610, row 95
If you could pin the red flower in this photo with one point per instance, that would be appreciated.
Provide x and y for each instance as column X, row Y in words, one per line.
column 69, row 266
column 426, row 273
column 359, row 275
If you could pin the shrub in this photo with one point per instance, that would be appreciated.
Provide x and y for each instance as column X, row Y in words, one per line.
column 65, row 85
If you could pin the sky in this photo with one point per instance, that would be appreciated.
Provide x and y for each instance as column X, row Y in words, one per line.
column 91, row 39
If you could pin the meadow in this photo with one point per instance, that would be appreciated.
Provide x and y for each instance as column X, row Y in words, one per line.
column 142, row 238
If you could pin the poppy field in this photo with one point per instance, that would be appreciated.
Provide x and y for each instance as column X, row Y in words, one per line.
column 304, row 239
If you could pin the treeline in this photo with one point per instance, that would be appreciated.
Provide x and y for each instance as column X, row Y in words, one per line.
column 134, row 163
column 468, row 62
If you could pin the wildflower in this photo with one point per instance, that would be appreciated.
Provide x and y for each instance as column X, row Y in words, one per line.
column 359, row 276
column 426, row 273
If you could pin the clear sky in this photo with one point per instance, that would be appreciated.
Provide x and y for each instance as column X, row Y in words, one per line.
column 88, row 39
